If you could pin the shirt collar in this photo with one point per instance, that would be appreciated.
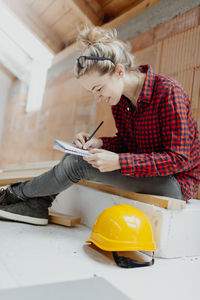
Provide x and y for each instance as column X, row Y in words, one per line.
column 147, row 90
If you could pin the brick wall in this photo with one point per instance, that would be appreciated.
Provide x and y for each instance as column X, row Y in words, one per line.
column 171, row 48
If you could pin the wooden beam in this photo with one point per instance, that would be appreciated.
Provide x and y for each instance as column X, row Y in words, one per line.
column 34, row 23
column 31, row 166
column 85, row 11
column 131, row 13
column 164, row 202
column 10, row 177
column 136, row 10
column 63, row 219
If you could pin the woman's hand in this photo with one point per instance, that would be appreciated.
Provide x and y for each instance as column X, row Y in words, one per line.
column 105, row 161
column 81, row 141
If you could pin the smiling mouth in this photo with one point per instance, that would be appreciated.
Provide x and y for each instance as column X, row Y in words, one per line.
column 108, row 100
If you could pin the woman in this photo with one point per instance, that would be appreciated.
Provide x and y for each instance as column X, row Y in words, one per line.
column 156, row 148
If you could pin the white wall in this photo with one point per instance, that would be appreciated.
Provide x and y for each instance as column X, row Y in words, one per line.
column 5, row 83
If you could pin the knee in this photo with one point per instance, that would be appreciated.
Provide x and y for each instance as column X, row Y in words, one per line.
column 74, row 165
column 70, row 161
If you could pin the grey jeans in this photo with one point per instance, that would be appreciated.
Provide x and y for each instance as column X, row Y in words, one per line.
column 72, row 168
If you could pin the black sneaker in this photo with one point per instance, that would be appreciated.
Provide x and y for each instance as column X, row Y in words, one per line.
column 8, row 197
column 30, row 210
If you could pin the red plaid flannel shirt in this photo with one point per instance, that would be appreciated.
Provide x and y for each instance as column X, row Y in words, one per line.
column 159, row 136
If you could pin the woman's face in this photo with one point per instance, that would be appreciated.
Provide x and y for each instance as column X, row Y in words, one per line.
column 108, row 88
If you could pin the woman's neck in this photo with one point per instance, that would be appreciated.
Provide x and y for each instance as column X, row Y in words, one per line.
column 133, row 84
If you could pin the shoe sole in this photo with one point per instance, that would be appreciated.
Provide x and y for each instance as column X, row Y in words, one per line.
column 21, row 218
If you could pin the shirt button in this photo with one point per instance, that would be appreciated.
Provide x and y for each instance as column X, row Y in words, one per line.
column 128, row 108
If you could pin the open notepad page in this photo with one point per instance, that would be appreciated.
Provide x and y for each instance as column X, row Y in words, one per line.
column 69, row 148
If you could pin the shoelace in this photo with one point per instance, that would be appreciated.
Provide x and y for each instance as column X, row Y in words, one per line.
column 2, row 196
column 6, row 195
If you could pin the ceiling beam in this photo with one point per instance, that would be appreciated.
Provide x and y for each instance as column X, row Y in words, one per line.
column 91, row 12
column 134, row 11
column 131, row 13
column 34, row 23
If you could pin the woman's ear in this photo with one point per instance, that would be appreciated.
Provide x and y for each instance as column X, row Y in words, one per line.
column 119, row 70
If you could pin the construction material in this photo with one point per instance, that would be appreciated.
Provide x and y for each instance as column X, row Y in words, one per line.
column 176, row 232
column 161, row 201
column 63, row 219
column 21, row 172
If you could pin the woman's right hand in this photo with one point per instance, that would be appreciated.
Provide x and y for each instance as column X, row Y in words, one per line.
column 80, row 141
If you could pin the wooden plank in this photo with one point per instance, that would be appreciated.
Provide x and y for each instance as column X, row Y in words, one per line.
column 32, row 165
column 164, row 202
column 16, row 172
column 84, row 11
column 133, row 12
column 114, row 23
column 55, row 12
column 114, row 8
column 65, row 28
column 7, row 178
column 41, row 6
column 63, row 219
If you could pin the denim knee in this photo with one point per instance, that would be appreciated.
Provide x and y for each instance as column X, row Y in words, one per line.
column 74, row 167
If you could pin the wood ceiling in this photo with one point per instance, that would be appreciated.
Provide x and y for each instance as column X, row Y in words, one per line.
column 56, row 22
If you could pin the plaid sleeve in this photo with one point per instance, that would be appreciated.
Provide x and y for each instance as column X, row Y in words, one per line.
column 175, row 156
column 114, row 144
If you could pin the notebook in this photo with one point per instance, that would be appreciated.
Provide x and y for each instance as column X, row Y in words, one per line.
column 70, row 148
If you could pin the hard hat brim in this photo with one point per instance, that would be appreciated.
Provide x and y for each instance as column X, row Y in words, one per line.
column 113, row 245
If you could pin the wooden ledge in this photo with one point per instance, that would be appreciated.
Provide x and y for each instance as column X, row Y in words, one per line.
column 161, row 201
column 16, row 173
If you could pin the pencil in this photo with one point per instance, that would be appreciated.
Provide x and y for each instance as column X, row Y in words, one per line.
column 94, row 131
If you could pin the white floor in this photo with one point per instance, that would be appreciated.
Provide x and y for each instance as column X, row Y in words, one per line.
column 31, row 255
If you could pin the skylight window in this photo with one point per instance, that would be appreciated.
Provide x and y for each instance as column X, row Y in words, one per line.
column 24, row 55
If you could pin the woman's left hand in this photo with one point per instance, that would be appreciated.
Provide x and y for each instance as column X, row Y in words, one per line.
column 104, row 160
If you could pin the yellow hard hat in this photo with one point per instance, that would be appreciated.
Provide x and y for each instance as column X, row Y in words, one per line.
column 122, row 228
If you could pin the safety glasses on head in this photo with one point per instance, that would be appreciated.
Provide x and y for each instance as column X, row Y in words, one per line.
column 82, row 59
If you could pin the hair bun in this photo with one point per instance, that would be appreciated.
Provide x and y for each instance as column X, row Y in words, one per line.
column 93, row 35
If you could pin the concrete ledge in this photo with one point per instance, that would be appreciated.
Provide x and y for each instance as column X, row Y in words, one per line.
column 176, row 229
column 176, row 232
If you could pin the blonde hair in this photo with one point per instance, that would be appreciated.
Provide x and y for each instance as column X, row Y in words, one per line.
column 99, row 42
